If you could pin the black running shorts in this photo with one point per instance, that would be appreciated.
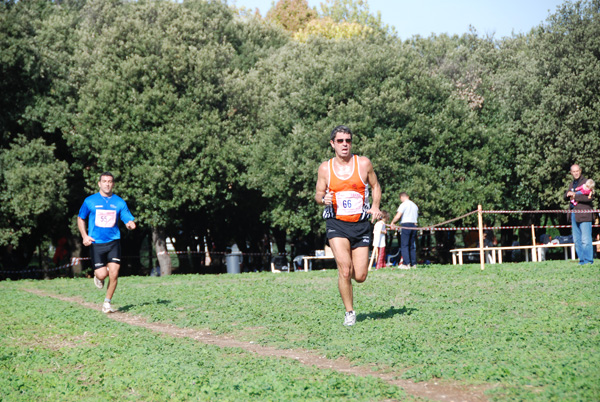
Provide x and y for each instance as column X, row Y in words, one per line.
column 358, row 233
column 104, row 253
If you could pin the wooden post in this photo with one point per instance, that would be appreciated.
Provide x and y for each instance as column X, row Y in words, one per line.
column 534, row 256
column 481, row 253
column 375, row 252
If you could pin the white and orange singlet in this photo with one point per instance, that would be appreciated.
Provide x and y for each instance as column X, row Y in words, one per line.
column 350, row 195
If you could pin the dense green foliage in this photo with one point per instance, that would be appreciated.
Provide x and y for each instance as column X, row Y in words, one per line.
column 525, row 331
column 214, row 122
column 32, row 188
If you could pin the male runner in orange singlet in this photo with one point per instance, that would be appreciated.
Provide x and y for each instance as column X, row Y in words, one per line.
column 343, row 187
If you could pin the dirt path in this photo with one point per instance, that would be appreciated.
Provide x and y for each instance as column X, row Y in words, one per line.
column 430, row 390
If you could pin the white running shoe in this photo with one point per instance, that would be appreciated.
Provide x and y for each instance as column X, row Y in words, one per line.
column 350, row 318
column 99, row 284
column 402, row 266
column 107, row 308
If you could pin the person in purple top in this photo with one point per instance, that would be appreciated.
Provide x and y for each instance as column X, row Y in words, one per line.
column 102, row 234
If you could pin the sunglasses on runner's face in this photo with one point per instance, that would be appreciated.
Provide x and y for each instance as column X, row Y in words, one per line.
column 341, row 140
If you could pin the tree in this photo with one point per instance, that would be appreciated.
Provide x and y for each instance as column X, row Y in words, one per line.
column 546, row 94
column 150, row 107
column 292, row 15
column 20, row 74
column 420, row 135
column 563, row 127
column 33, row 190
column 217, row 122
column 33, row 177
column 354, row 11
column 327, row 28
column 338, row 19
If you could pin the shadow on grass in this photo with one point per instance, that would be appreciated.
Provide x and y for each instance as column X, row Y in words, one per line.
column 128, row 307
column 389, row 313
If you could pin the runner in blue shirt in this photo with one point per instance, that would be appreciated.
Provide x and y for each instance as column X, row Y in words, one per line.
column 104, row 237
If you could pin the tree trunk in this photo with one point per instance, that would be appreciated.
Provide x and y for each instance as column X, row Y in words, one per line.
column 77, row 251
column 150, row 258
column 159, row 239
column 43, row 262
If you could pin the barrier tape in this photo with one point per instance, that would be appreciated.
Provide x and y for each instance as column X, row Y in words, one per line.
column 434, row 228
column 222, row 253
column 437, row 224
column 550, row 211
column 74, row 261
column 77, row 260
column 455, row 219
column 488, row 228
column 535, row 226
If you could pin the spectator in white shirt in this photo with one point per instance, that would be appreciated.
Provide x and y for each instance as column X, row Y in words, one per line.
column 407, row 214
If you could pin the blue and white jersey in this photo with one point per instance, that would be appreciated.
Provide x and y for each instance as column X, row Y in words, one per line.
column 103, row 213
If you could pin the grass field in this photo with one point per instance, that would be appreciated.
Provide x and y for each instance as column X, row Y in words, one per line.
column 526, row 331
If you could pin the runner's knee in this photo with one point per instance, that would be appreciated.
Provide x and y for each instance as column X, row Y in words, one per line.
column 101, row 273
column 113, row 270
column 360, row 278
column 345, row 272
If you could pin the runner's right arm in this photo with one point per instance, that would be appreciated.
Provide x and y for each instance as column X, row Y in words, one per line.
column 87, row 240
column 322, row 195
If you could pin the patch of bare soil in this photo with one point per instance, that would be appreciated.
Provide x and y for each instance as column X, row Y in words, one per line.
column 432, row 390
column 57, row 342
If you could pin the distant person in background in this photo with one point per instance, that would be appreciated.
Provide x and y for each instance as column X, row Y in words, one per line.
column 379, row 239
column 61, row 253
column 104, row 238
column 471, row 238
column 581, row 221
column 562, row 239
column 489, row 238
column 515, row 255
column 301, row 249
column 544, row 239
column 407, row 214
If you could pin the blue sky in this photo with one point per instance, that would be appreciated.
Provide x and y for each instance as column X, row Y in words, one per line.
column 424, row 17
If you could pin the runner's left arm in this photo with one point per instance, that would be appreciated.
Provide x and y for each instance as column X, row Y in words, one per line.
column 127, row 217
column 376, row 190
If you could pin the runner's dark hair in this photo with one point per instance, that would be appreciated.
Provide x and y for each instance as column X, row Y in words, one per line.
column 340, row 129
column 106, row 174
